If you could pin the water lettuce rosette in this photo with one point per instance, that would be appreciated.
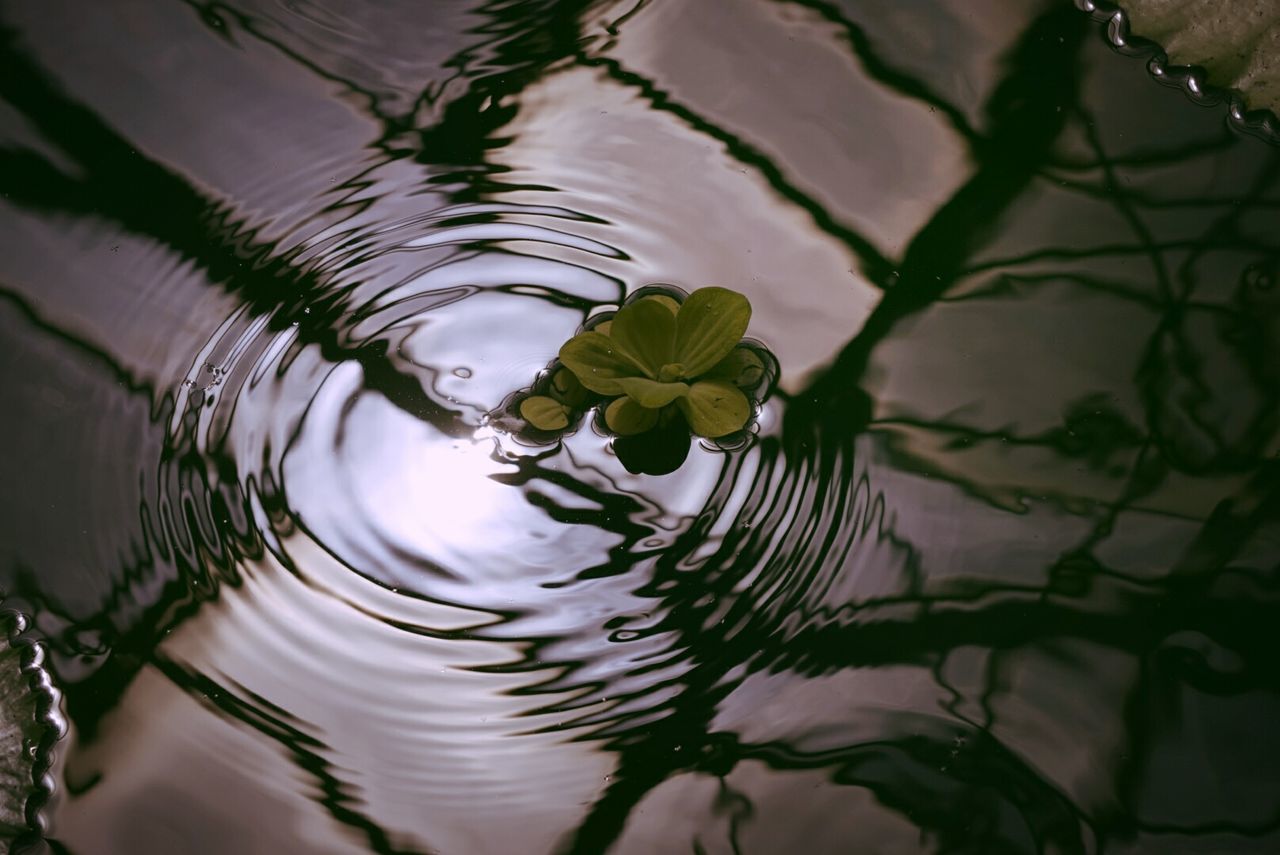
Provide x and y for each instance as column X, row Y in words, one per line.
column 657, row 354
column 655, row 360
column 659, row 369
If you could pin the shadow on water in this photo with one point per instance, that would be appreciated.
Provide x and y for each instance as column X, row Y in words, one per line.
column 999, row 574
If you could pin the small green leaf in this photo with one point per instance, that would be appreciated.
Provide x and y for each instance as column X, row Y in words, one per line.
column 568, row 390
column 715, row 408
column 597, row 362
column 710, row 323
column 670, row 372
column 666, row 301
column 625, row 417
column 651, row 393
column 604, row 327
column 544, row 413
column 742, row 367
column 646, row 332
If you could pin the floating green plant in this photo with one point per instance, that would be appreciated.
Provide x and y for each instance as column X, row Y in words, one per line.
column 554, row 410
column 659, row 369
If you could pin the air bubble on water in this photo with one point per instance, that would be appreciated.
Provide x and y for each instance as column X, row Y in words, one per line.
column 463, row 372
column 1255, row 276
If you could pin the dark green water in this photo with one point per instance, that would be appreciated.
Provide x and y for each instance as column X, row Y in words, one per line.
column 999, row 571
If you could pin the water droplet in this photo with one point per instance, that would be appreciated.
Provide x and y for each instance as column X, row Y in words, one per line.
column 1258, row 277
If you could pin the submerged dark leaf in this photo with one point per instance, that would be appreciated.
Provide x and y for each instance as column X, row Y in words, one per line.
column 660, row 451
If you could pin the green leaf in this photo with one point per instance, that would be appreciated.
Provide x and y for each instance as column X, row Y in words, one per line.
column 544, row 413
column 742, row 367
column 646, row 332
column 650, row 393
column 715, row 408
column 568, row 390
column 597, row 362
column 666, row 301
column 625, row 417
column 710, row 323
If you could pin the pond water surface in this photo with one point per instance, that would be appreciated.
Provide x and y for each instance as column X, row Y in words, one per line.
column 999, row 571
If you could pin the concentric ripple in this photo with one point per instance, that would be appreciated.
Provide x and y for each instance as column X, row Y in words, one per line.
column 438, row 614
column 466, row 596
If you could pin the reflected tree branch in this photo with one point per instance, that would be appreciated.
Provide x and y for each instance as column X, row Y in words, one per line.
column 1027, row 112
column 883, row 72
